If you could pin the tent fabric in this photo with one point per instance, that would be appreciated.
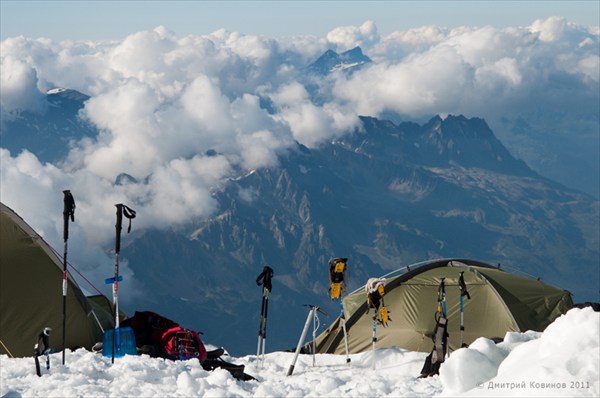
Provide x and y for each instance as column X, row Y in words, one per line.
column 500, row 302
column 31, row 294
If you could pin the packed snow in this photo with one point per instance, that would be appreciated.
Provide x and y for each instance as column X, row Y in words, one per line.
column 564, row 360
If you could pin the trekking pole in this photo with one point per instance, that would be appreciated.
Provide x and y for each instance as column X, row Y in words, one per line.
column 343, row 318
column 263, row 279
column 68, row 212
column 441, row 341
column 442, row 298
column 311, row 314
column 337, row 275
column 463, row 292
column 130, row 214
column 374, row 336
column 375, row 290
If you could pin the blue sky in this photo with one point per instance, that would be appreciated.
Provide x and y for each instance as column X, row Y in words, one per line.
column 94, row 20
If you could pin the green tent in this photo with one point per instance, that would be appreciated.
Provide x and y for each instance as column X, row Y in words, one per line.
column 31, row 294
column 500, row 302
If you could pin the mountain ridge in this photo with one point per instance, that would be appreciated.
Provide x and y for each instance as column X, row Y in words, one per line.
column 348, row 61
column 385, row 195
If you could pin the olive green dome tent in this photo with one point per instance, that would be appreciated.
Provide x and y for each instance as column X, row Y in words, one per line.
column 31, row 294
column 500, row 302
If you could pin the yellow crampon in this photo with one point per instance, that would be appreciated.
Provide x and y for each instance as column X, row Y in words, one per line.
column 336, row 290
column 384, row 316
column 340, row 267
column 337, row 277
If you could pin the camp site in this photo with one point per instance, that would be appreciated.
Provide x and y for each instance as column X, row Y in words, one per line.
column 388, row 340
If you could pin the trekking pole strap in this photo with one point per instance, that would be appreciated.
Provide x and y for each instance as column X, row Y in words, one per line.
column 463, row 286
column 129, row 213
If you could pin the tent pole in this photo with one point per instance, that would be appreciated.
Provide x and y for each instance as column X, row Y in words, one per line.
column 6, row 348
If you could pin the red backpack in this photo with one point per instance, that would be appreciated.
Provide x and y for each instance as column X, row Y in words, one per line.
column 161, row 337
column 183, row 343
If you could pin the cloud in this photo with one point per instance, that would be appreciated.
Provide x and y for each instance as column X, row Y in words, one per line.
column 475, row 71
column 181, row 115
column 312, row 124
column 348, row 37
column 19, row 87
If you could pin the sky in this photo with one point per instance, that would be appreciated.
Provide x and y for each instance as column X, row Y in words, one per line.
column 560, row 362
column 99, row 20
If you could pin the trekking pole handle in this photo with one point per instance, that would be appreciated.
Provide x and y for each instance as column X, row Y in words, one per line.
column 68, row 212
column 118, row 227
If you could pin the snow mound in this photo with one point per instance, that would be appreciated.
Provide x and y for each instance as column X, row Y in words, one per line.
column 564, row 360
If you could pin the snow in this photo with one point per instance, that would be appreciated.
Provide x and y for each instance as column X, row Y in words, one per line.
column 56, row 90
column 564, row 360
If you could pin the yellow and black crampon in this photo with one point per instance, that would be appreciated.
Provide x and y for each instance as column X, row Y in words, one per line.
column 375, row 290
column 337, row 277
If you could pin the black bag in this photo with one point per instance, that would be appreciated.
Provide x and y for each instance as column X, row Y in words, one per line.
column 438, row 354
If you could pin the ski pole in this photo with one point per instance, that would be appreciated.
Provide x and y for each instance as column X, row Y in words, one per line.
column 463, row 292
column 68, row 212
column 263, row 279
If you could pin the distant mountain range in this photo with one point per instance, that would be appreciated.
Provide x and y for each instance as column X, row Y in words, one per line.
column 48, row 135
column 385, row 196
column 347, row 61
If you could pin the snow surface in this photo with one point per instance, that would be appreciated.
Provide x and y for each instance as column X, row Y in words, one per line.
column 564, row 360
column 56, row 90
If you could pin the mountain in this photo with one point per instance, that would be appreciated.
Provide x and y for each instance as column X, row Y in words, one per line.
column 48, row 134
column 386, row 195
column 347, row 61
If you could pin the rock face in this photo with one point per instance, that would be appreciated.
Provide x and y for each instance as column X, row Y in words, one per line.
column 387, row 196
column 331, row 61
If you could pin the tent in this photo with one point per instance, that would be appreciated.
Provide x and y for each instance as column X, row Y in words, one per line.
column 31, row 294
column 500, row 302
